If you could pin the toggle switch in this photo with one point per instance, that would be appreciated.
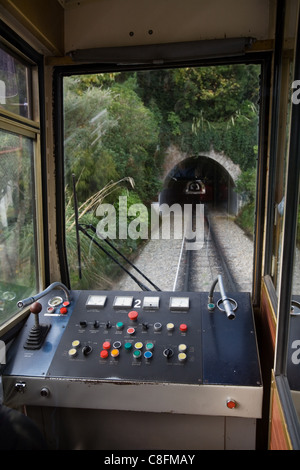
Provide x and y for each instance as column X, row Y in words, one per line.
column 86, row 350
column 168, row 352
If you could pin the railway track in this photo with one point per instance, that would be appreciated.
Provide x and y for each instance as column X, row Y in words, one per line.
column 197, row 268
column 225, row 250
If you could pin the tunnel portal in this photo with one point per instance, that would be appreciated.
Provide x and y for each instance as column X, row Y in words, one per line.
column 200, row 179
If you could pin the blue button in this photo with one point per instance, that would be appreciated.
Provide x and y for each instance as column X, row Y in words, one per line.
column 148, row 355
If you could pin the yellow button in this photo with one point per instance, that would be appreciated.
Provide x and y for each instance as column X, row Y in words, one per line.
column 170, row 326
column 72, row 352
column 138, row 345
column 115, row 352
column 76, row 343
column 182, row 357
column 182, row 347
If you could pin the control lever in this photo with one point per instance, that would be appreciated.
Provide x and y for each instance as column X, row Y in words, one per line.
column 38, row 331
column 230, row 305
column 54, row 285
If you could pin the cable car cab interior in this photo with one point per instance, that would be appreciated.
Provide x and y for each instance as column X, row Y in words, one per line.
column 115, row 335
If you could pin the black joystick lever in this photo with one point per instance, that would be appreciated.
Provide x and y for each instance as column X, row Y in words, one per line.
column 38, row 332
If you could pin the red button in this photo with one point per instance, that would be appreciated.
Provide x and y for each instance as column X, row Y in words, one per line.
column 104, row 354
column 106, row 345
column 183, row 327
column 231, row 404
column 66, row 303
column 131, row 331
column 133, row 315
column 63, row 310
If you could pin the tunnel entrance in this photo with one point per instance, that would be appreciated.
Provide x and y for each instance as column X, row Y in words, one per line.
column 200, row 179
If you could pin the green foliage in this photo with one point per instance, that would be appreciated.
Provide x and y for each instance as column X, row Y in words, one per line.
column 245, row 218
column 98, row 270
column 206, row 107
column 109, row 135
column 246, row 185
column 133, row 140
column 86, row 122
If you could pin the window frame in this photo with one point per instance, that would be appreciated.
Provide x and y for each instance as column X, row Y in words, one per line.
column 281, row 293
column 33, row 129
column 263, row 59
column 287, row 263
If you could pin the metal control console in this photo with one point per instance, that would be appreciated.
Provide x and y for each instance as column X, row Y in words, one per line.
column 156, row 352
column 150, row 339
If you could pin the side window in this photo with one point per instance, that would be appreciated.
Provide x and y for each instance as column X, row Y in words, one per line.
column 15, row 84
column 19, row 136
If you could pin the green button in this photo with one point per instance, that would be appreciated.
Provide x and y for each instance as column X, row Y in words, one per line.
column 137, row 354
column 149, row 346
column 127, row 346
column 120, row 325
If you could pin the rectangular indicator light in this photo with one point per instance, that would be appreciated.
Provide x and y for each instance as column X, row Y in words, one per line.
column 151, row 303
column 95, row 301
column 179, row 303
column 123, row 302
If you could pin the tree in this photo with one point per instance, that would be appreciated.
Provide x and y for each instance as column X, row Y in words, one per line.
column 133, row 141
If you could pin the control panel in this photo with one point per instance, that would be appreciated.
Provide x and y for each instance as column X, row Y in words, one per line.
column 132, row 338
column 156, row 339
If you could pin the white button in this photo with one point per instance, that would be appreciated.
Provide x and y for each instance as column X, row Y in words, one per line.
column 157, row 326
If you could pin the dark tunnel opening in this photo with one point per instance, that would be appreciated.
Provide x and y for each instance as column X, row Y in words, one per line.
column 200, row 179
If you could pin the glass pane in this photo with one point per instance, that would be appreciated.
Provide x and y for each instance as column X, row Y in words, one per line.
column 17, row 241
column 14, row 85
column 281, row 141
column 293, row 356
column 279, row 190
column 148, row 147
